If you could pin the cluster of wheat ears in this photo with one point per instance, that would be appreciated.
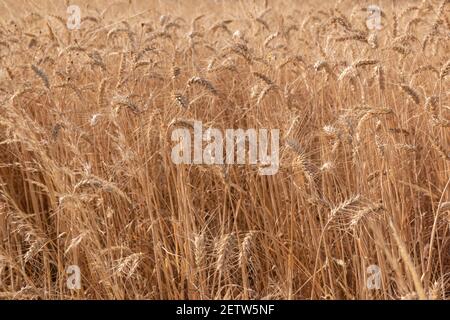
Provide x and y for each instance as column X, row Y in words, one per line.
column 86, row 176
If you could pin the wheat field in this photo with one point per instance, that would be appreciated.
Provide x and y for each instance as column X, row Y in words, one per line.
column 87, row 180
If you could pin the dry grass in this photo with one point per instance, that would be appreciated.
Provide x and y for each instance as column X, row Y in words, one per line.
column 86, row 176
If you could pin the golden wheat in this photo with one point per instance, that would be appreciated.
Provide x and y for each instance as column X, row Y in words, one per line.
column 86, row 170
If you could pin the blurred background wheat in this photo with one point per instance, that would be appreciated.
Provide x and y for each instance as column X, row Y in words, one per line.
column 86, row 176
